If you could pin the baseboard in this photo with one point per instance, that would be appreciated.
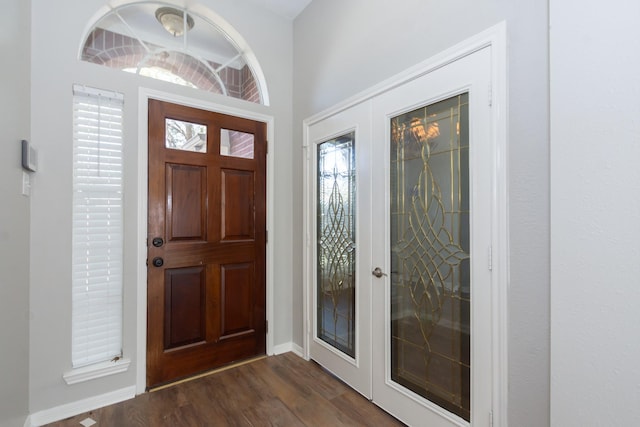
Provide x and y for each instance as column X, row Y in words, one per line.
column 297, row 350
column 71, row 409
column 288, row 347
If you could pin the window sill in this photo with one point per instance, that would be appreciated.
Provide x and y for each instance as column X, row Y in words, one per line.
column 97, row 370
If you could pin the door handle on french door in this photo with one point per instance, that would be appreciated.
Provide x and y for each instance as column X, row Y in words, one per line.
column 158, row 262
column 378, row 272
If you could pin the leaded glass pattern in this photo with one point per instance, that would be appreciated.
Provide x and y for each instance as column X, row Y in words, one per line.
column 430, row 277
column 336, row 243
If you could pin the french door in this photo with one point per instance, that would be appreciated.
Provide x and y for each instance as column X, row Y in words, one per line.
column 340, row 223
column 432, row 347
column 421, row 314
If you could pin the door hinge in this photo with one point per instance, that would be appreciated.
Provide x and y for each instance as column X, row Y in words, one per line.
column 266, row 326
column 267, row 147
column 491, row 418
column 490, row 256
column 266, row 236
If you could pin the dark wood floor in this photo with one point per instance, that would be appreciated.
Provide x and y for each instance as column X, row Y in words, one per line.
column 282, row 390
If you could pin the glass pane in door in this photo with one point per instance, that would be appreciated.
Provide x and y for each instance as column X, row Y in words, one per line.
column 235, row 143
column 185, row 136
column 430, row 277
column 336, row 243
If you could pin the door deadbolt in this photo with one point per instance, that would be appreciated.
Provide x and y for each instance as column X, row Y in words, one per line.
column 157, row 242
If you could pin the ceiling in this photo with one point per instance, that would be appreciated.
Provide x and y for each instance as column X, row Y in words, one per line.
column 287, row 8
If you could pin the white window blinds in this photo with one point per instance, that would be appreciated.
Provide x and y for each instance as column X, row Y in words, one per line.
column 97, row 226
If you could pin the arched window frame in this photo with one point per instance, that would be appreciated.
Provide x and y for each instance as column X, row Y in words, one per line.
column 207, row 15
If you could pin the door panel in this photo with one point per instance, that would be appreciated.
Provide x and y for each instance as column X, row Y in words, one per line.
column 339, row 195
column 184, row 314
column 432, row 354
column 207, row 238
column 186, row 201
column 237, row 297
column 237, row 205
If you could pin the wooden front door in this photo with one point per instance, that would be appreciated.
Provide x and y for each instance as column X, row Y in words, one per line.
column 206, row 241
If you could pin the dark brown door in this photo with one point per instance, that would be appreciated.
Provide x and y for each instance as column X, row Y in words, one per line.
column 206, row 241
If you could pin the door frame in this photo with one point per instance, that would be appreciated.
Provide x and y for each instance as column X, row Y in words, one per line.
column 144, row 94
column 496, row 39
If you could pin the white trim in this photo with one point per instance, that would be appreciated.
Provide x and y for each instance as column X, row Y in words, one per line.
column 96, row 370
column 141, row 250
column 297, row 350
column 288, row 347
column 144, row 95
column 307, row 257
column 494, row 37
column 500, row 232
column 85, row 405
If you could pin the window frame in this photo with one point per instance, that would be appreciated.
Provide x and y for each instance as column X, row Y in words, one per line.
column 97, row 234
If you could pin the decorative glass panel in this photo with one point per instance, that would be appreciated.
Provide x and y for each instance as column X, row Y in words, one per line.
column 336, row 243
column 186, row 136
column 430, row 277
column 236, row 144
column 176, row 45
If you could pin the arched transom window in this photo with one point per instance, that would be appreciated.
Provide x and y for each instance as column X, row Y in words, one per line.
column 175, row 44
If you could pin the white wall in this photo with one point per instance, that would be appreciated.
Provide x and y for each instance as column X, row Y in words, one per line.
column 595, row 213
column 342, row 48
column 14, row 214
column 58, row 29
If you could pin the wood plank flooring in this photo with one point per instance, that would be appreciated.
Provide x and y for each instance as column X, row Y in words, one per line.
column 282, row 390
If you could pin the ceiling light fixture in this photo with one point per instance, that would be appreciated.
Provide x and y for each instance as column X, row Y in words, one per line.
column 173, row 20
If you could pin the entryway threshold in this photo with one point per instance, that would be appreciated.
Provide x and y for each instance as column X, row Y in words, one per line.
column 207, row 373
